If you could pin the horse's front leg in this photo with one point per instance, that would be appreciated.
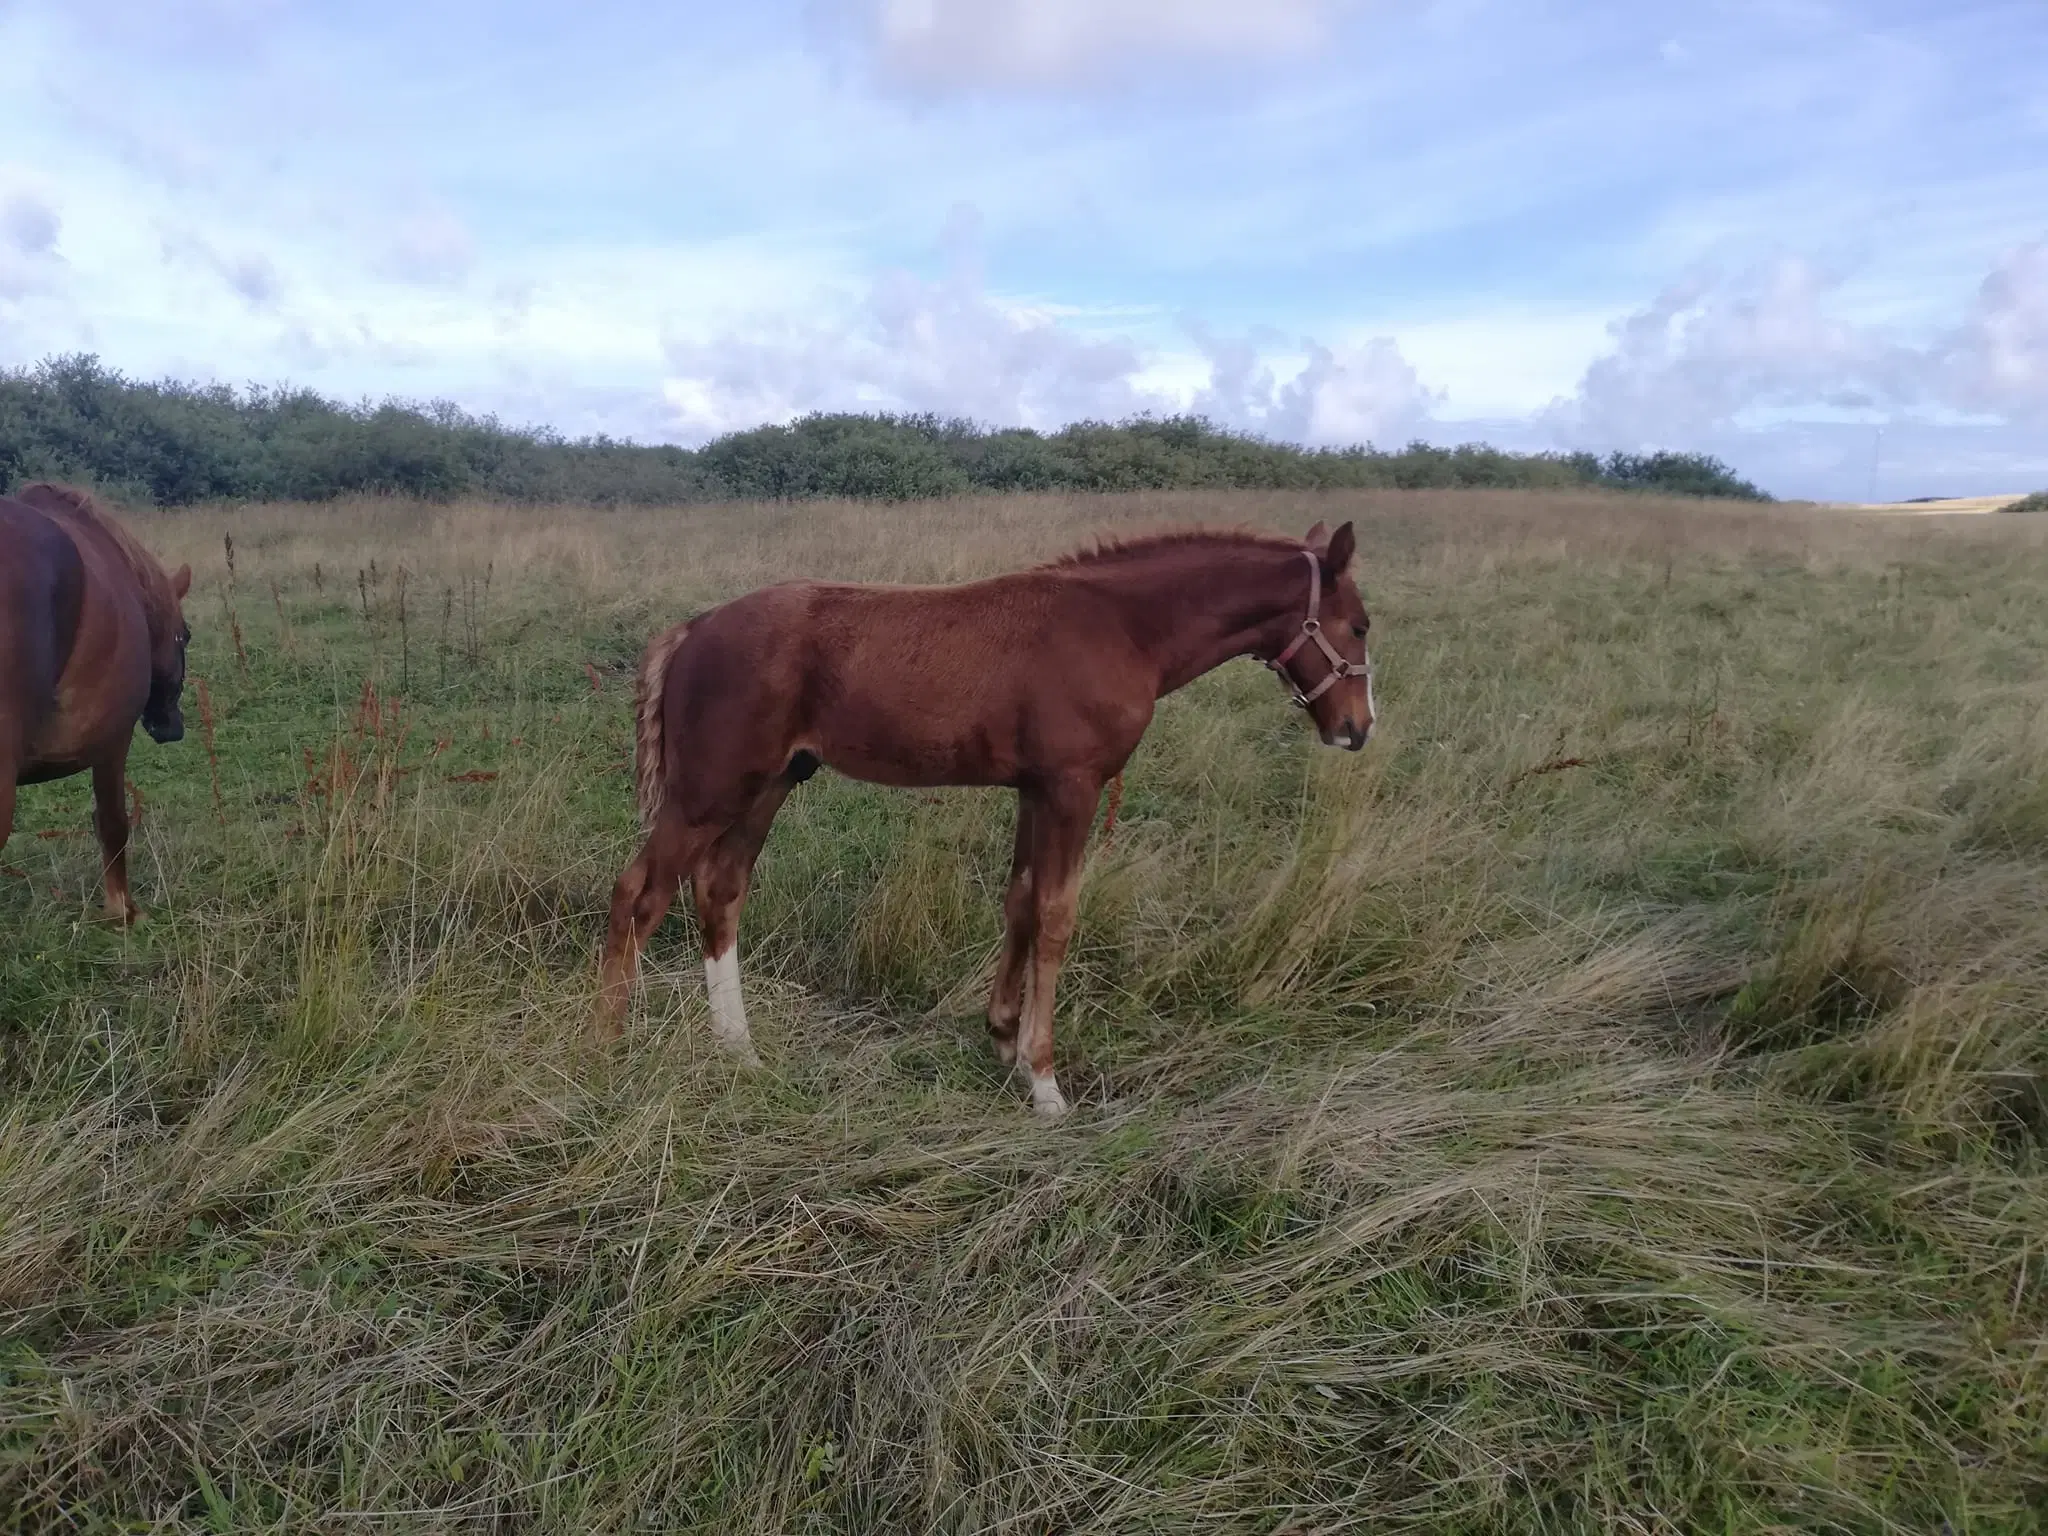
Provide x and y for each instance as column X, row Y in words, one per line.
column 10, row 765
column 1059, row 841
column 722, row 881
column 110, row 819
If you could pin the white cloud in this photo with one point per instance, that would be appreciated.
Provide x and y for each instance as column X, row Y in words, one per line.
column 909, row 345
column 955, row 44
column 1710, row 350
column 1998, row 361
column 1777, row 371
column 1366, row 393
column 951, row 347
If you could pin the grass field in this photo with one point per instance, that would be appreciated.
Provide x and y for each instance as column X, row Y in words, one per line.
column 1617, row 1100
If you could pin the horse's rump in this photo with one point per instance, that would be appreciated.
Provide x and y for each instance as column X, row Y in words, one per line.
column 42, row 592
column 63, row 503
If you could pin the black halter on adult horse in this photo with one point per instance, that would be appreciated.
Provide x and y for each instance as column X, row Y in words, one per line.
column 92, row 639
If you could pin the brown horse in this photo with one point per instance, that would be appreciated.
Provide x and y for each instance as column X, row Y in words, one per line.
column 92, row 639
column 1042, row 680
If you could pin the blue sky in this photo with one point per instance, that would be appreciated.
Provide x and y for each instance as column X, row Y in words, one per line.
column 1768, row 229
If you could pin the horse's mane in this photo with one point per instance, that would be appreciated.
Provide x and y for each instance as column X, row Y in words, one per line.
column 159, row 602
column 1140, row 545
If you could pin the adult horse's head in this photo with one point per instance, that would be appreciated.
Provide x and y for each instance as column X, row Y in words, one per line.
column 1325, row 664
column 169, row 634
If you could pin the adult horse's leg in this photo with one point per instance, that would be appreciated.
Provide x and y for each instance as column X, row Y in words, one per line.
column 110, row 819
column 722, row 879
column 1006, row 997
column 11, row 755
column 7, row 773
column 1059, row 839
column 640, row 900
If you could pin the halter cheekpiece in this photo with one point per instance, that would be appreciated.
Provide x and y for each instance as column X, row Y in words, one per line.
column 1312, row 629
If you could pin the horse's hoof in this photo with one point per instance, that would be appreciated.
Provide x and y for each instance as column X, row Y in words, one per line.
column 1048, row 1103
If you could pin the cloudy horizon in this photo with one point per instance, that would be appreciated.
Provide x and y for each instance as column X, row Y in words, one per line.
column 1809, row 238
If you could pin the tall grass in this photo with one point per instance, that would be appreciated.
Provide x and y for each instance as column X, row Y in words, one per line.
column 1613, row 1101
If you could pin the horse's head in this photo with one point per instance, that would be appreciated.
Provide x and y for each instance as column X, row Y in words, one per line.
column 161, row 716
column 1334, row 675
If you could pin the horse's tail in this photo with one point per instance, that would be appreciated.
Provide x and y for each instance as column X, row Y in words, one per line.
column 650, row 752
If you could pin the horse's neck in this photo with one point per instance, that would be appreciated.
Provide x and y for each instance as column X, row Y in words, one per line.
column 1198, row 610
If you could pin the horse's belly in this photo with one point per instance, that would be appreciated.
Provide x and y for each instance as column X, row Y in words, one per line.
column 899, row 747
column 916, row 765
column 42, row 771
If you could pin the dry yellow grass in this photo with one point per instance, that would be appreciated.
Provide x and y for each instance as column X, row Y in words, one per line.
column 1941, row 507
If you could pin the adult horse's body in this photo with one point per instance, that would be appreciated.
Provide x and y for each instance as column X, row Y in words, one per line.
column 92, row 639
column 1043, row 680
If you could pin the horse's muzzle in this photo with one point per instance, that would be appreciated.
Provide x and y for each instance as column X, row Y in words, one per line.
column 1348, row 736
column 167, row 730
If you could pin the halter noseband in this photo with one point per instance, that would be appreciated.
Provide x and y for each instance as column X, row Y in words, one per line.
column 1312, row 629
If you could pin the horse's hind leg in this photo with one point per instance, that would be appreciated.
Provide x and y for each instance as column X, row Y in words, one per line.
column 1059, row 839
column 110, row 818
column 640, row 900
column 722, row 881
column 1006, row 997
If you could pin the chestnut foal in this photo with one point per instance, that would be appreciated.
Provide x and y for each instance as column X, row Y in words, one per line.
column 1042, row 680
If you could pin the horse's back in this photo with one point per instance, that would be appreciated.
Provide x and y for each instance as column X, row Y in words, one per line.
column 42, row 592
column 977, row 623
column 911, row 685
column 984, row 638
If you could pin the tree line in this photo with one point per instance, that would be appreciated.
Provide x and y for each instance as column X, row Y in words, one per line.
column 173, row 444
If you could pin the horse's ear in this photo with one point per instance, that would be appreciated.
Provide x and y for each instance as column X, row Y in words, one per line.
column 181, row 583
column 1343, row 545
column 1316, row 537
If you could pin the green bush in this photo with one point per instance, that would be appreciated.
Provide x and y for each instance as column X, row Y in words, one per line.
column 2038, row 502
column 174, row 444
column 1678, row 474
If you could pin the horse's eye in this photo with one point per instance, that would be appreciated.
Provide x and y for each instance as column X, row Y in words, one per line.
column 1358, row 630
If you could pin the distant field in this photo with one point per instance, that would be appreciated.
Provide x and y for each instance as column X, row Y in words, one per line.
column 1617, row 1100
column 1946, row 504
